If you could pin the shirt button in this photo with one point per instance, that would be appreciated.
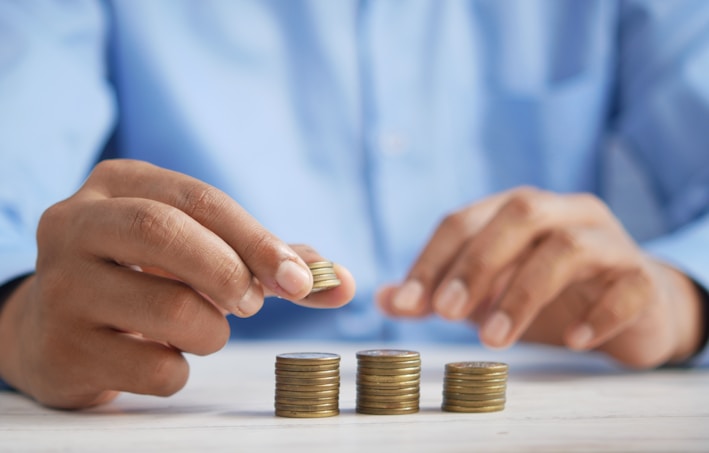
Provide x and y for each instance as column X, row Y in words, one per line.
column 393, row 144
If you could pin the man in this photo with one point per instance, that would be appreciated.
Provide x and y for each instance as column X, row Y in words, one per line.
column 400, row 139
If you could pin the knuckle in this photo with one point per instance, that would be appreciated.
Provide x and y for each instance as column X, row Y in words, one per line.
column 595, row 204
column 201, row 201
column 259, row 245
column 478, row 263
column 157, row 228
column 524, row 205
column 181, row 309
column 454, row 224
column 565, row 242
column 231, row 273
column 523, row 298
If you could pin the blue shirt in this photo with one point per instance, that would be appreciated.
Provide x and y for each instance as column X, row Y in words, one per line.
column 355, row 126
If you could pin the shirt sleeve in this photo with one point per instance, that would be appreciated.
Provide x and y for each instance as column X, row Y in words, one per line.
column 56, row 111
column 663, row 115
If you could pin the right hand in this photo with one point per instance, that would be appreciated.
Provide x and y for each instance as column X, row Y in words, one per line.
column 89, row 324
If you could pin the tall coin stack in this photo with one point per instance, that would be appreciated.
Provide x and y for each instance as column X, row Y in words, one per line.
column 388, row 382
column 307, row 384
column 474, row 387
column 324, row 276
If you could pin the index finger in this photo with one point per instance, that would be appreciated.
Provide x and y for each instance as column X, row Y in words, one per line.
column 271, row 260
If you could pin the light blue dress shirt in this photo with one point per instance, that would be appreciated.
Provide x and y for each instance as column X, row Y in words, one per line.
column 355, row 126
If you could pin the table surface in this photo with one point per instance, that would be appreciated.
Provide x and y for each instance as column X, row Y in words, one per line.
column 556, row 401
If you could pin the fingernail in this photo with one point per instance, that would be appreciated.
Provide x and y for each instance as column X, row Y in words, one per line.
column 293, row 278
column 408, row 296
column 452, row 300
column 496, row 329
column 580, row 337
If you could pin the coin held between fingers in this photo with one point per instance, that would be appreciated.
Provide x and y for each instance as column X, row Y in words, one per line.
column 324, row 276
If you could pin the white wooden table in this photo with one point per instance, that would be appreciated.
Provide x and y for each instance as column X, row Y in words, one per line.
column 556, row 401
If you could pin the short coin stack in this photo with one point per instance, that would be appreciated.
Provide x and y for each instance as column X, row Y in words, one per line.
column 474, row 387
column 307, row 384
column 324, row 276
column 388, row 381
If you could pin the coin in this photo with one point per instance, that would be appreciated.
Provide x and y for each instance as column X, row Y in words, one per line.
column 452, row 408
column 389, row 371
column 379, row 411
column 386, row 355
column 307, row 384
column 388, row 381
column 306, row 414
column 309, row 374
column 324, row 276
column 308, row 395
column 477, row 377
column 473, row 396
column 307, row 358
column 474, row 404
column 477, row 367
column 320, row 264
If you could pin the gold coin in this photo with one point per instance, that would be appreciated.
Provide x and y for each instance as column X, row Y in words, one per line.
column 394, row 391
column 476, row 377
column 387, row 355
column 388, row 385
column 324, row 277
column 473, row 396
column 389, row 398
column 305, row 402
column 306, row 407
column 477, row 367
column 307, row 414
column 307, row 395
column 320, row 264
column 307, row 368
column 315, row 382
column 380, row 411
column 385, row 379
column 465, row 403
column 474, row 383
column 388, row 405
column 308, row 358
column 323, row 271
column 452, row 388
column 308, row 374
column 329, row 283
column 452, row 408
column 384, row 365
column 306, row 388
column 388, row 371
column 324, row 287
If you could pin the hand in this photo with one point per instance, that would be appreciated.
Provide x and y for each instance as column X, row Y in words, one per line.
column 559, row 269
column 90, row 323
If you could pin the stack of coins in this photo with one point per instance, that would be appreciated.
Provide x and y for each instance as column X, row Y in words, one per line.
column 388, row 382
column 307, row 384
column 474, row 387
column 324, row 276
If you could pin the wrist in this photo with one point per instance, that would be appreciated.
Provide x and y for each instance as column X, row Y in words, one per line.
column 689, row 300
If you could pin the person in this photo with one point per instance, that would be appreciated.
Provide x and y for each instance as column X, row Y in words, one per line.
column 158, row 158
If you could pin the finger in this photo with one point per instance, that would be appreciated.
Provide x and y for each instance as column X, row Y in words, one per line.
column 413, row 297
column 411, row 290
column 127, row 363
column 562, row 258
column 332, row 298
column 159, row 308
column 621, row 305
column 152, row 234
column 275, row 264
column 524, row 218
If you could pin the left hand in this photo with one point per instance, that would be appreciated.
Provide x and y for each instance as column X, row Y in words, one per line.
column 535, row 266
